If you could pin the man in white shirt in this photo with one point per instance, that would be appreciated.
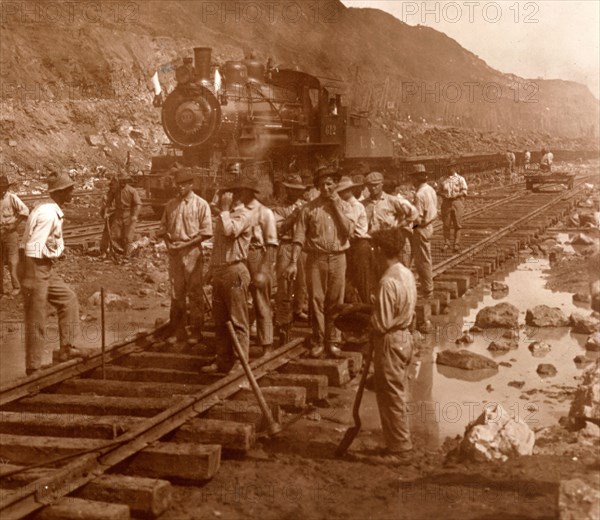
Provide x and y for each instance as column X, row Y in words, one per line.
column 453, row 191
column 546, row 160
column 12, row 213
column 42, row 245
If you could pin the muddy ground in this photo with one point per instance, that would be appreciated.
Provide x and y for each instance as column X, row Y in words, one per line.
column 296, row 476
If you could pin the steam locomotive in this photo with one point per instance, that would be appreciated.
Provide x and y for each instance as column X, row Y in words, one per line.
column 256, row 119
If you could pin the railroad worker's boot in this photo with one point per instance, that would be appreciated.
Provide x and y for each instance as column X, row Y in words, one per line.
column 316, row 351
column 267, row 349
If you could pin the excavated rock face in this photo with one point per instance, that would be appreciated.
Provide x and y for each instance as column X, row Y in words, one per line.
column 495, row 435
column 465, row 360
column 544, row 316
column 502, row 315
column 584, row 324
column 586, row 402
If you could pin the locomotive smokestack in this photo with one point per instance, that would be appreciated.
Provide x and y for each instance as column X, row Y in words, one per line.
column 202, row 56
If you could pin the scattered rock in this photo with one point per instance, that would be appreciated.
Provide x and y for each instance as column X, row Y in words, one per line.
column 593, row 342
column 516, row 384
column 489, row 388
column 144, row 292
column 465, row 338
column 111, row 301
column 580, row 359
column 465, row 360
column 502, row 346
column 584, row 324
column 159, row 322
column 494, row 435
column 95, row 140
column 546, row 370
column 502, row 315
column 511, row 334
column 586, row 401
column 582, row 297
column 545, row 316
column 505, row 364
column 499, row 286
column 475, row 328
column 577, row 500
column 589, row 431
column 582, row 240
column 156, row 277
column 539, row 348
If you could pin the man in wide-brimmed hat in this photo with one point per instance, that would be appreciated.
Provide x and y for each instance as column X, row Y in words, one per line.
column 358, row 272
column 291, row 294
column 128, row 204
column 185, row 224
column 42, row 245
column 229, row 272
column 453, row 190
column 426, row 204
column 12, row 212
column 324, row 232
column 393, row 312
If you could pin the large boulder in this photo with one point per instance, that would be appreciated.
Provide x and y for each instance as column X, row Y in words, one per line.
column 502, row 315
column 539, row 348
column 578, row 500
column 502, row 346
column 586, row 402
column 584, row 324
column 593, row 342
column 495, row 435
column 499, row 286
column 545, row 316
column 465, row 360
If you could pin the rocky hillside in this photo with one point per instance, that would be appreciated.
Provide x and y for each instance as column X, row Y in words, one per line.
column 76, row 92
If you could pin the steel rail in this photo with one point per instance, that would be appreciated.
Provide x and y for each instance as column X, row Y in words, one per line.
column 86, row 468
column 455, row 260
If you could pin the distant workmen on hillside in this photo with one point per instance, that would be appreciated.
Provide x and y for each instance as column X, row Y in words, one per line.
column 12, row 212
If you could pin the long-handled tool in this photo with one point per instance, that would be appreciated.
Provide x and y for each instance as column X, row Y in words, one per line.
column 273, row 427
column 352, row 432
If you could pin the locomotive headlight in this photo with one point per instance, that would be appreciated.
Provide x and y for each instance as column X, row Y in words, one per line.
column 183, row 74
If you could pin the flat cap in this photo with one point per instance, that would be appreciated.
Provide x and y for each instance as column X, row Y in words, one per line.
column 374, row 177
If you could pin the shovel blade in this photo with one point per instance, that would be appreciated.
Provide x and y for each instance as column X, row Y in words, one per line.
column 347, row 440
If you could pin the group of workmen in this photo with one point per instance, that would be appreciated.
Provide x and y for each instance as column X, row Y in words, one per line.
column 339, row 234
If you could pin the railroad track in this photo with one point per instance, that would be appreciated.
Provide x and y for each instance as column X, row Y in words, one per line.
column 113, row 441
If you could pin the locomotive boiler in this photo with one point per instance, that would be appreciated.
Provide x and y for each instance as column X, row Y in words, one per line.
column 257, row 119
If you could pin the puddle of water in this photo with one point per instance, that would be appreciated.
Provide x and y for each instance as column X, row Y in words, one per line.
column 444, row 399
column 120, row 326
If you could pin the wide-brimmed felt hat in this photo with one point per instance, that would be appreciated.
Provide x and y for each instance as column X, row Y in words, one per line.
column 184, row 175
column 294, row 182
column 4, row 182
column 345, row 183
column 59, row 181
column 453, row 163
column 374, row 178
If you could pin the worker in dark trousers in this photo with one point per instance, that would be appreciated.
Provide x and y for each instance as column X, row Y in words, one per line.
column 426, row 204
column 42, row 245
column 358, row 272
column 128, row 205
column 12, row 212
column 453, row 191
column 229, row 273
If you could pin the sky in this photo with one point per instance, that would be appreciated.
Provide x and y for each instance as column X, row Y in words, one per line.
column 549, row 39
